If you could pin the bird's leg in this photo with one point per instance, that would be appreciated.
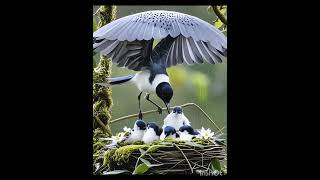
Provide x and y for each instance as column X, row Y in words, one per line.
column 159, row 108
column 140, row 113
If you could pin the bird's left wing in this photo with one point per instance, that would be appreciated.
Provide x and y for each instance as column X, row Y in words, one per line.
column 132, row 55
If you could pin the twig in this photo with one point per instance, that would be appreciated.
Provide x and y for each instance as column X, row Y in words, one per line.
column 206, row 116
column 220, row 130
column 184, row 157
column 100, row 123
column 176, row 164
column 97, row 10
column 220, row 15
column 153, row 111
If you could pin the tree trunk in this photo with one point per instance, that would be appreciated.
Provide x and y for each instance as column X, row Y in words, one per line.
column 102, row 101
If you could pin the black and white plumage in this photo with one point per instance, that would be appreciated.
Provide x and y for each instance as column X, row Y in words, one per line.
column 187, row 133
column 137, row 132
column 169, row 132
column 152, row 133
column 176, row 119
column 185, row 39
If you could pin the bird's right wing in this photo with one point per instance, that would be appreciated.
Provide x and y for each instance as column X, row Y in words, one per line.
column 172, row 51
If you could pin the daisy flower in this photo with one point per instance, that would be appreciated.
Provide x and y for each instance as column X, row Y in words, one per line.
column 126, row 129
column 205, row 134
column 115, row 139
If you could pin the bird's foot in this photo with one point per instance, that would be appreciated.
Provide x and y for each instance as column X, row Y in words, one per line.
column 140, row 114
column 159, row 110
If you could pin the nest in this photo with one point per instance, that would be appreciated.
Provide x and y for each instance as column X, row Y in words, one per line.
column 199, row 156
column 163, row 157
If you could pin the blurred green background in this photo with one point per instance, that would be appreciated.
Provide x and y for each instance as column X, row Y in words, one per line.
column 204, row 84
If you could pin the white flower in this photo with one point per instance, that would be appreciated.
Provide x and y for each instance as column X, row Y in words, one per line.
column 115, row 139
column 126, row 129
column 205, row 134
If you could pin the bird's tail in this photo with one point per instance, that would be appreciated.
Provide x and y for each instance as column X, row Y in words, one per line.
column 116, row 81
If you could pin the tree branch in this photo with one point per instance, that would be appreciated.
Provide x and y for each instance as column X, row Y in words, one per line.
column 102, row 99
column 219, row 14
column 106, row 129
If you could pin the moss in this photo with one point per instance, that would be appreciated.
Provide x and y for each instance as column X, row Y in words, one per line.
column 107, row 158
column 106, row 15
column 138, row 143
column 123, row 153
column 201, row 141
column 174, row 141
column 102, row 101
column 153, row 148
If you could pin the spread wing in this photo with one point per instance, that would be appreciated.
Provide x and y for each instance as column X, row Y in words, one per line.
column 172, row 51
column 132, row 55
column 195, row 39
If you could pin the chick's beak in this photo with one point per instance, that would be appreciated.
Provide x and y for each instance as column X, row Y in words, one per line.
column 168, row 107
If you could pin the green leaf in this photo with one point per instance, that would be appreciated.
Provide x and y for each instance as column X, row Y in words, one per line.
column 223, row 11
column 141, row 169
column 145, row 161
column 115, row 172
column 215, row 164
column 149, row 164
column 218, row 23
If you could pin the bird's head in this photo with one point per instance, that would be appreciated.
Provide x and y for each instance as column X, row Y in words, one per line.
column 140, row 125
column 154, row 126
column 177, row 110
column 187, row 128
column 169, row 130
column 164, row 92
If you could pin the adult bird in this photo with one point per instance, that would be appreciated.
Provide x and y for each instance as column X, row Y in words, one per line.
column 185, row 39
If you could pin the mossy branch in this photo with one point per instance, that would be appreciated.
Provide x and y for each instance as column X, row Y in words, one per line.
column 219, row 14
column 106, row 129
column 102, row 101
column 156, row 111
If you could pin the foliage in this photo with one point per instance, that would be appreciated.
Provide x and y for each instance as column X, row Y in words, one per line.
column 218, row 22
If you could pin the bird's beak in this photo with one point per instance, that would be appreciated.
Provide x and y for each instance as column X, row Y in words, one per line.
column 168, row 107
